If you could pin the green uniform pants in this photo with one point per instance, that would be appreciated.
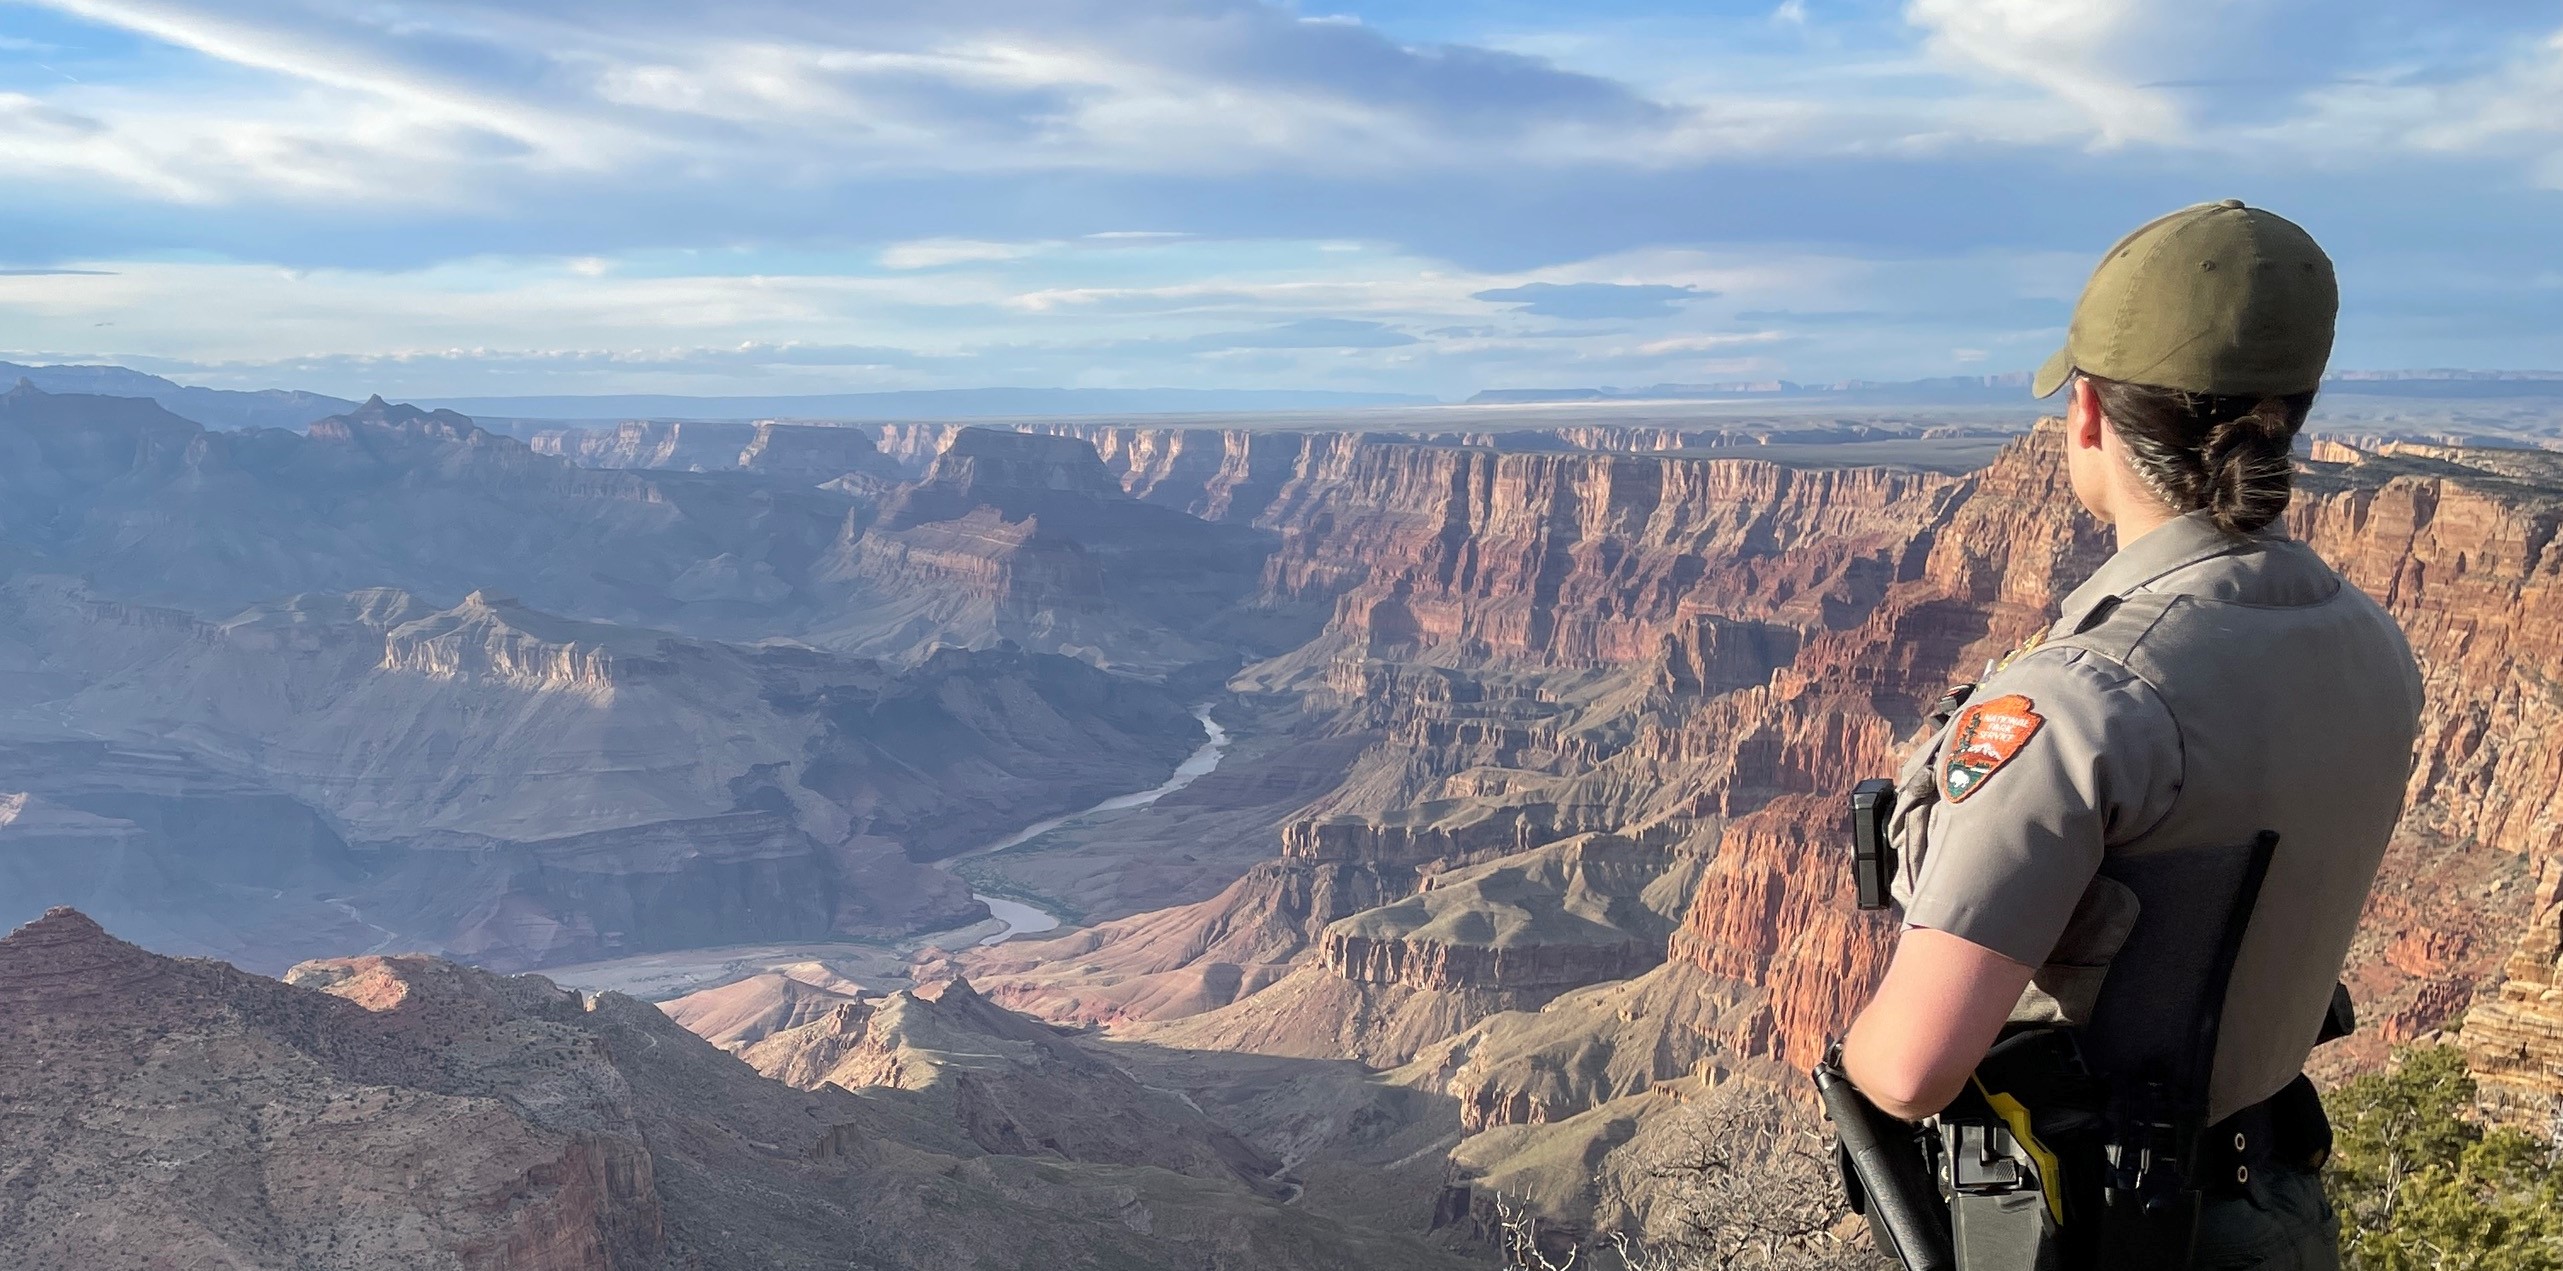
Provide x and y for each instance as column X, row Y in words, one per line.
column 2283, row 1224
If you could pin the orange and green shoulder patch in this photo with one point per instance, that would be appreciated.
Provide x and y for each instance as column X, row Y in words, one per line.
column 1983, row 738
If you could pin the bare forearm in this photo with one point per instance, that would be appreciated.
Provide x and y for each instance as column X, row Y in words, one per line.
column 1941, row 1005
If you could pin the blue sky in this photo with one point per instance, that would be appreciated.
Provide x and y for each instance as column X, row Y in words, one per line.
column 759, row 196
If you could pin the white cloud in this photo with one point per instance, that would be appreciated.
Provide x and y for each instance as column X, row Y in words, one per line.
column 462, row 97
column 2097, row 56
column 2336, row 80
column 1008, row 178
column 1306, row 317
column 490, row 105
column 1707, row 342
column 930, row 253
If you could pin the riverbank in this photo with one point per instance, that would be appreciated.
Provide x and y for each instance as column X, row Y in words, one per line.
column 1021, row 918
column 881, row 967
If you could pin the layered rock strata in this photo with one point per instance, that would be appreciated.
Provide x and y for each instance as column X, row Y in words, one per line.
column 1025, row 538
column 2514, row 1036
column 524, row 788
column 408, row 1113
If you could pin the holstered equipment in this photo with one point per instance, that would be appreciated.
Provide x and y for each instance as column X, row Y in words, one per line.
column 1886, row 1172
column 2005, row 1144
column 2041, row 1164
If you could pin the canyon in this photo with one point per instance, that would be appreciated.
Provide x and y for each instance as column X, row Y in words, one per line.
column 1521, row 846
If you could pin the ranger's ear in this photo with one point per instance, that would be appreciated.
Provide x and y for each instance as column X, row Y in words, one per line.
column 2083, row 421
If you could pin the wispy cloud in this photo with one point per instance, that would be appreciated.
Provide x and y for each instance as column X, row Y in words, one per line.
column 932, row 252
column 1708, row 341
column 1175, row 191
column 1594, row 299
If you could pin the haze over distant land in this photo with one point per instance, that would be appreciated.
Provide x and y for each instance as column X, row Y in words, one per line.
column 941, row 403
column 2348, row 395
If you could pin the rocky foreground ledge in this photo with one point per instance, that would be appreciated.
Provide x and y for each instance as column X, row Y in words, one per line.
column 406, row 1112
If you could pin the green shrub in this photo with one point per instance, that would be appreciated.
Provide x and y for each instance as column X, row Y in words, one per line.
column 2421, row 1185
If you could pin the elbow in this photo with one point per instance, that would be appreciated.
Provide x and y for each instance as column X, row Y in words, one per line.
column 1915, row 1099
column 1900, row 1082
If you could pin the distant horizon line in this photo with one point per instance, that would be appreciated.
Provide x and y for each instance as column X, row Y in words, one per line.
column 1768, row 383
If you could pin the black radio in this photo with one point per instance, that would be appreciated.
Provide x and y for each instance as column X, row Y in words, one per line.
column 1873, row 854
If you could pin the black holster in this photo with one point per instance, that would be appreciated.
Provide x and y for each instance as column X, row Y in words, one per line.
column 1886, row 1173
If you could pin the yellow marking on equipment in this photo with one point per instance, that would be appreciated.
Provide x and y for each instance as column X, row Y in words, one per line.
column 2051, row 1179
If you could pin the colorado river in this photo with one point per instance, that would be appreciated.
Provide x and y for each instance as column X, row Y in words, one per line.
column 1023, row 919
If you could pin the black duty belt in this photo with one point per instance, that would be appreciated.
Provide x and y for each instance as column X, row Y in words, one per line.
column 2287, row 1130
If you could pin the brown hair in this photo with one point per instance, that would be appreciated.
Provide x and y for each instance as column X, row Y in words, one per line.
column 2226, row 454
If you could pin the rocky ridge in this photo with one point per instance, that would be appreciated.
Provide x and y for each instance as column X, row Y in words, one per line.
column 1513, row 703
column 522, row 692
column 1026, row 538
column 522, row 788
column 409, row 1113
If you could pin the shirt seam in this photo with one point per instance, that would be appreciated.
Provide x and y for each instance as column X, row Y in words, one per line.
column 2179, row 736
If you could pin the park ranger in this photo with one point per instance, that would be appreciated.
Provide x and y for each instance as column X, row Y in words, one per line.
column 2081, row 830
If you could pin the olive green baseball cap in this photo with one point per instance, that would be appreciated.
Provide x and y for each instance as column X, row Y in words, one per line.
column 2218, row 298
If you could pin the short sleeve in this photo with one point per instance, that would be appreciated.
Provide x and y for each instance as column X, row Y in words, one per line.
column 2057, row 757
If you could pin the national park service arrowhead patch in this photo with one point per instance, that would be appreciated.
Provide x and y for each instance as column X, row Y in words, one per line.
column 1984, row 737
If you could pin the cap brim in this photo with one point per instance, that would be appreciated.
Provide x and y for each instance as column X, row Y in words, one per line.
column 2052, row 376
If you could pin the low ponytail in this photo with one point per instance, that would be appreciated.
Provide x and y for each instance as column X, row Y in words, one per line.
column 2250, row 471
column 2227, row 455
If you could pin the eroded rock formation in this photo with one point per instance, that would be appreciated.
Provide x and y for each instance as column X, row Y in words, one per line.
column 1013, row 1085
column 409, row 1113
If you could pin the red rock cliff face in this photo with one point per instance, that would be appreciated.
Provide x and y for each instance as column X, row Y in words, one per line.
column 2464, row 563
column 1542, row 645
column 1773, row 916
column 1689, row 652
column 1582, row 559
column 2460, row 545
column 1229, row 475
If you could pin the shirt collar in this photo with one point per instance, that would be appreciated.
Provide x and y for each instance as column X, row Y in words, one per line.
column 2175, row 544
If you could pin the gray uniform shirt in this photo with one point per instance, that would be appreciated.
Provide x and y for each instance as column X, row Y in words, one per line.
column 2089, row 811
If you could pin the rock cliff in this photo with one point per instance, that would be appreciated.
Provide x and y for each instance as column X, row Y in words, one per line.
column 1700, row 655
column 2459, row 544
column 256, row 1122
column 2456, row 552
column 1025, row 537
column 525, row 788
column 409, row 1113
column 701, row 446
column 816, row 453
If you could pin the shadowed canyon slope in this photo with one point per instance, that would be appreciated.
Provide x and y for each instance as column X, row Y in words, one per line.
column 1524, row 837
column 390, row 682
column 405, row 1112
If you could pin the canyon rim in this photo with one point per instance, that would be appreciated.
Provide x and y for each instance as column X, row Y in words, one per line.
column 1435, row 811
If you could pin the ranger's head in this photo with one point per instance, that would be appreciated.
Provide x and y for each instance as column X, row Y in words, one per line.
column 2193, row 356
